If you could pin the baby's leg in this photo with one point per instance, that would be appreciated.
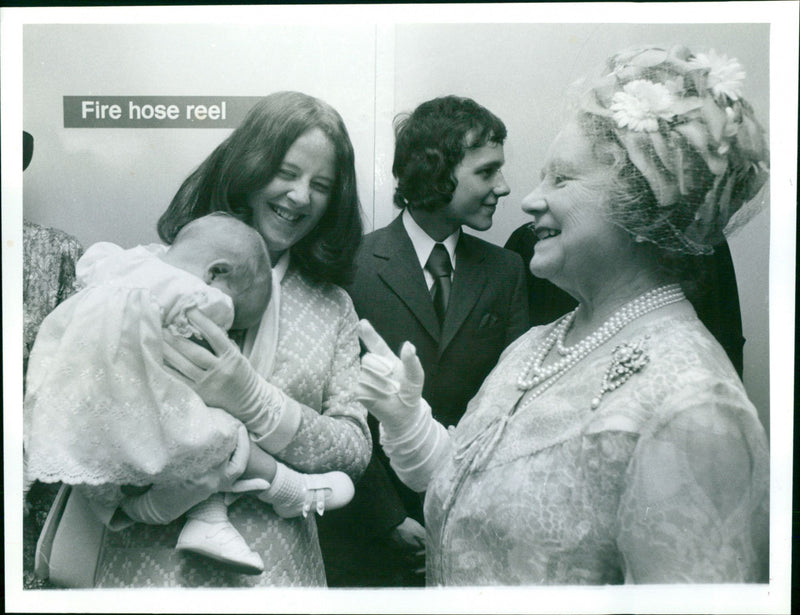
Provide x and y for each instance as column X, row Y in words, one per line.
column 260, row 465
column 208, row 532
column 292, row 493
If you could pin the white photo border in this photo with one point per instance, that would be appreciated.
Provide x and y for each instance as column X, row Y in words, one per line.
column 771, row 598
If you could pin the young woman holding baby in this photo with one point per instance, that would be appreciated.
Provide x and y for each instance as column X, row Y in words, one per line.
column 288, row 171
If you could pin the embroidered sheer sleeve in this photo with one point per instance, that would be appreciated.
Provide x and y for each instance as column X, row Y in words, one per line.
column 695, row 506
column 337, row 438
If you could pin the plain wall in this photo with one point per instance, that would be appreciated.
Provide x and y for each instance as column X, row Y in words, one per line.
column 112, row 184
column 104, row 184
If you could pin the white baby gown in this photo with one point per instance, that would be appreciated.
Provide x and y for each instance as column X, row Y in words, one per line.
column 100, row 408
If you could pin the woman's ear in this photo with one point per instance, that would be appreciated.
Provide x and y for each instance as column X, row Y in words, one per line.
column 216, row 269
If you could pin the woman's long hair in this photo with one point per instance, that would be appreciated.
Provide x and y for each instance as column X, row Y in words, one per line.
column 249, row 159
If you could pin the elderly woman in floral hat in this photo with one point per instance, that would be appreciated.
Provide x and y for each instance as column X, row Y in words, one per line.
column 616, row 444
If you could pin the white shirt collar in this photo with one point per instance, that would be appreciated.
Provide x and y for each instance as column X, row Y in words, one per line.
column 423, row 243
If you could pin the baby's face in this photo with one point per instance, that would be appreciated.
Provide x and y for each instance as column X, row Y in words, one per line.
column 250, row 294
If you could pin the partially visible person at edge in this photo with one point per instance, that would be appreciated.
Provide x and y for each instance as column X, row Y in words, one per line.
column 447, row 163
column 49, row 257
column 287, row 170
column 617, row 444
column 712, row 291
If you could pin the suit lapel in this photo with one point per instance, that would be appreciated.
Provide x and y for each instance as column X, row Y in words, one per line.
column 399, row 268
column 468, row 284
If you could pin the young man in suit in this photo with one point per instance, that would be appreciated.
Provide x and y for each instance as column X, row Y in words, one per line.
column 457, row 298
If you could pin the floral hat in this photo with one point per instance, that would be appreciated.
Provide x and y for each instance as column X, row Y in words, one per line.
column 684, row 125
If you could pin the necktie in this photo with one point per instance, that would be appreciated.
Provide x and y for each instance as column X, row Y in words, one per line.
column 439, row 266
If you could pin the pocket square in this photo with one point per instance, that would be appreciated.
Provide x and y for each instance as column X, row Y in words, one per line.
column 488, row 320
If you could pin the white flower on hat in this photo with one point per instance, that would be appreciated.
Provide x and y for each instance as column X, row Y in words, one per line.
column 639, row 105
column 725, row 75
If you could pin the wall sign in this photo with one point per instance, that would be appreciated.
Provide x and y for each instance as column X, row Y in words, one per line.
column 156, row 111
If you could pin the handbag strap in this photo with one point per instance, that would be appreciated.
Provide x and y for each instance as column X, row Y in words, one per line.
column 70, row 546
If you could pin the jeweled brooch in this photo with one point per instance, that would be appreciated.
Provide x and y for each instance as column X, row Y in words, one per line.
column 626, row 360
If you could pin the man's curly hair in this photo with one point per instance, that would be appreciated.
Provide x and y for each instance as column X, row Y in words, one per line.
column 431, row 141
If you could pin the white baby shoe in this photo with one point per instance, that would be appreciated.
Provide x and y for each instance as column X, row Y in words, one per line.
column 209, row 533
column 293, row 494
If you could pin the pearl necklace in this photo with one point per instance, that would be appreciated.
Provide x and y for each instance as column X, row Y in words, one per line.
column 535, row 375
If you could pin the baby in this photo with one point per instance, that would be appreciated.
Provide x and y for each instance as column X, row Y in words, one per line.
column 101, row 408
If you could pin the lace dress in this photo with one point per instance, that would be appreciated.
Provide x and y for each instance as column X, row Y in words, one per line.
column 48, row 277
column 665, row 481
column 100, row 408
column 317, row 365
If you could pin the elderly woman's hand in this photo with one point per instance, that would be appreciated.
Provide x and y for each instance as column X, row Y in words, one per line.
column 389, row 387
column 222, row 377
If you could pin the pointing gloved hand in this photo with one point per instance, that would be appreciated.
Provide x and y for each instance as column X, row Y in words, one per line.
column 389, row 387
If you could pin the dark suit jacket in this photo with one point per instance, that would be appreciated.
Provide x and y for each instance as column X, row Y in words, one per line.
column 488, row 309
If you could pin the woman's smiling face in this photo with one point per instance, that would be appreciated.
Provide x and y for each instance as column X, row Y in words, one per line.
column 575, row 239
column 294, row 201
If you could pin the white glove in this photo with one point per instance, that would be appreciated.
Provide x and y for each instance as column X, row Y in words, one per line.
column 417, row 453
column 162, row 504
column 224, row 378
column 389, row 387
